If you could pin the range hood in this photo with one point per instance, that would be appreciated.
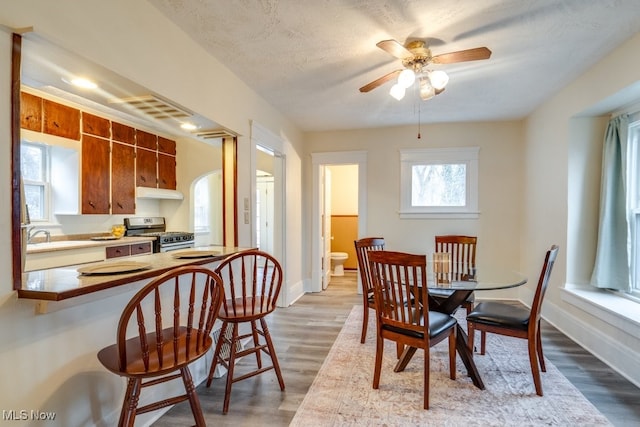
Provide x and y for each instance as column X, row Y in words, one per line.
column 158, row 193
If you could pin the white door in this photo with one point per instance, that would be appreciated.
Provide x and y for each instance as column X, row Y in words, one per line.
column 264, row 209
column 326, row 228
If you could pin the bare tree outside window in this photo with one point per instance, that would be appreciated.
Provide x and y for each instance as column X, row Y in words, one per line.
column 438, row 185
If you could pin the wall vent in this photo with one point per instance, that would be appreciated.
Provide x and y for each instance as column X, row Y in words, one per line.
column 215, row 133
column 153, row 106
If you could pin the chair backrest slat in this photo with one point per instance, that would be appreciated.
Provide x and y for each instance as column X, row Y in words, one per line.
column 462, row 251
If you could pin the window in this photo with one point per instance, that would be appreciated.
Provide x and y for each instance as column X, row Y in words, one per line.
column 34, row 166
column 439, row 183
column 201, row 205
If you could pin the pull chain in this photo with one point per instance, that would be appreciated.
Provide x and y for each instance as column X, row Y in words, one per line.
column 419, row 120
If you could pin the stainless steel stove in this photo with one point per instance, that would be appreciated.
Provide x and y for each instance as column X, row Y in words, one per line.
column 156, row 227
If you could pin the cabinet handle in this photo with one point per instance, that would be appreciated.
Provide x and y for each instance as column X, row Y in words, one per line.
column 142, row 178
column 120, row 205
column 92, row 204
column 56, row 124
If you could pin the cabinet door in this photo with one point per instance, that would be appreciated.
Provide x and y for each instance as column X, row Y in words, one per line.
column 123, row 179
column 95, row 175
column 94, row 125
column 166, row 171
column 146, row 168
column 166, row 146
column 61, row 120
column 30, row 112
column 123, row 133
column 146, row 140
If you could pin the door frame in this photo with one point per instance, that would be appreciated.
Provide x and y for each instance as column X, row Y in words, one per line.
column 319, row 160
column 262, row 136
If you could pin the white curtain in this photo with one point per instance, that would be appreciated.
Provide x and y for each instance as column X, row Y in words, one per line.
column 611, row 269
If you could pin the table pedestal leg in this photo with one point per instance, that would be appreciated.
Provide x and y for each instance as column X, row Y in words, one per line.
column 448, row 306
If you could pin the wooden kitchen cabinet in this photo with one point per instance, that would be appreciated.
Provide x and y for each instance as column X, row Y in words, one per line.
column 146, row 140
column 146, row 168
column 60, row 120
column 166, row 171
column 95, row 125
column 123, row 133
column 95, row 175
column 123, row 179
column 143, row 248
column 118, row 251
column 30, row 112
column 166, row 146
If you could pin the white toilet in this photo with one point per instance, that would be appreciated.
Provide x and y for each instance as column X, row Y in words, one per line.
column 337, row 263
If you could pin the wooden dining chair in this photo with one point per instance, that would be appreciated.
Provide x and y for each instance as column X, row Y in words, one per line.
column 515, row 321
column 252, row 281
column 363, row 246
column 402, row 310
column 173, row 316
column 462, row 253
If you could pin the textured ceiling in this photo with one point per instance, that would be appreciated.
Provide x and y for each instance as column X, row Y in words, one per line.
column 309, row 57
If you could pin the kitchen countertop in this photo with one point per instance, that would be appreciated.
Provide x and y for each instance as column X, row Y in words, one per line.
column 61, row 245
column 61, row 283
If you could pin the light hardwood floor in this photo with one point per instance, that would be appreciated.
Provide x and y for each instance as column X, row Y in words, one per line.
column 303, row 334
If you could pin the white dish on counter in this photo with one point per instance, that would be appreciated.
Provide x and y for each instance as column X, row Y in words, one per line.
column 114, row 268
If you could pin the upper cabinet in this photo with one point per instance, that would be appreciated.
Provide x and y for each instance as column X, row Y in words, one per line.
column 115, row 157
column 123, row 133
column 95, row 125
column 60, row 120
column 30, row 112
column 123, row 178
column 95, row 175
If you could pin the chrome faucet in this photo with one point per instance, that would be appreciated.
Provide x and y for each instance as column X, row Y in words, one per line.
column 32, row 232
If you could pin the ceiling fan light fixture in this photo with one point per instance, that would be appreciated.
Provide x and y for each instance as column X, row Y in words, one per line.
column 427, row 91
column 406, row 78
column 397, row 91
column 438, row 79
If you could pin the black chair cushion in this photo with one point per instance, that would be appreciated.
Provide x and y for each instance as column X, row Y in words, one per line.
column 438, row 323
column 500, row 314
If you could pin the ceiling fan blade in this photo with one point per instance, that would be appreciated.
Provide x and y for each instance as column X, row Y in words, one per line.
column 462, row 56
column 380, row 81
column 395, row 48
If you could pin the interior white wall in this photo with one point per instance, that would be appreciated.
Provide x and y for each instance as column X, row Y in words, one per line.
column 344, row 189
column 563, row 140
column 55, row 354
column 500, row 185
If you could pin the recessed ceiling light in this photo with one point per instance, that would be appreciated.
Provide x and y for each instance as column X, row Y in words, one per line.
column 82, row 83
column 188, row 126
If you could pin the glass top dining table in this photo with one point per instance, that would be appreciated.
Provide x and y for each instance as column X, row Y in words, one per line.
column 446, row 295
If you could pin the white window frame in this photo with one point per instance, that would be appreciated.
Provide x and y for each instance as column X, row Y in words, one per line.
column 439, row 156
column 45, row 184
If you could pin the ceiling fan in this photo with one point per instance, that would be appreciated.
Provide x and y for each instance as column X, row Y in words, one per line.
column 416, row 57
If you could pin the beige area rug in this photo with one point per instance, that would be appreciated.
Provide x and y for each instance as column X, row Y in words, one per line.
column 342, row 393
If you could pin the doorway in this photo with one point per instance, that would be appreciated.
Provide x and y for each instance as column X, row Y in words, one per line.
column 320, row 236
column 266, row 210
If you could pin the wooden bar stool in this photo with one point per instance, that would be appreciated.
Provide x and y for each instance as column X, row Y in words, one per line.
column 173, row 316
column 252, row 282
